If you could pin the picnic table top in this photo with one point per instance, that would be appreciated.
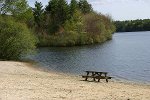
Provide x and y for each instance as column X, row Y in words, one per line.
column 95, row 72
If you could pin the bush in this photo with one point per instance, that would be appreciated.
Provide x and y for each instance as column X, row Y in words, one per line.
column 99, row 27
column 15, row 39
column 81, row 30
column 58, row 40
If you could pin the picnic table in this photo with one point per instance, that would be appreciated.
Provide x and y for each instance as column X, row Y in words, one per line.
column 96, row 75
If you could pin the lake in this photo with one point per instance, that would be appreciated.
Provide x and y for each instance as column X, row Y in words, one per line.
column 126, row 56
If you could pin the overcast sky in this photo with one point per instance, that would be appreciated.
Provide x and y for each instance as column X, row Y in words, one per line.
column 118, row 9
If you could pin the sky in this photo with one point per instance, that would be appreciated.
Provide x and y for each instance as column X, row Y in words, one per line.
column 117, row 9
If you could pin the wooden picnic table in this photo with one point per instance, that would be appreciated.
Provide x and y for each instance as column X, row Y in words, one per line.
column 96, row 75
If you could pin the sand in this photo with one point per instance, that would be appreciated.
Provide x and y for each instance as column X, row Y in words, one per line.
column 21, row 81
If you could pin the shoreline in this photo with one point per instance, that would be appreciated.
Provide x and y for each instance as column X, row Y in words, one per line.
column 36, row 66
column 24, row 81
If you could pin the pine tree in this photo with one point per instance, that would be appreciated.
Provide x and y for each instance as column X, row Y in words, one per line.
column 52, row 7
column 58, row 10
column 38, row 13
column 73, row 7
column 63, row 11
column 85, row 7
column 59, row 13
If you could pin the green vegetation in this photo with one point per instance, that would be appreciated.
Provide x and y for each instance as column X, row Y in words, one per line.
column 15, row 39
column 84, row 6
column 57, row 24
column 72, row 24
column 18, row 9
column 133, row 25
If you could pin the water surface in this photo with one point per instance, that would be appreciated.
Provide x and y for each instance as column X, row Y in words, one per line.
column 126, row 56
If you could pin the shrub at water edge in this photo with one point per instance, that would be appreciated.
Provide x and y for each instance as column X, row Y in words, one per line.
column 15, row 39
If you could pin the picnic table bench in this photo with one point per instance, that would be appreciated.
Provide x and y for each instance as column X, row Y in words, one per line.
column 96, row 75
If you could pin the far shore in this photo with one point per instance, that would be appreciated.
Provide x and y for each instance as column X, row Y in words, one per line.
column 22, row 81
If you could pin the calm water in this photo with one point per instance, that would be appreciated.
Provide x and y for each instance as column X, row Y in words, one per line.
column 127, row 57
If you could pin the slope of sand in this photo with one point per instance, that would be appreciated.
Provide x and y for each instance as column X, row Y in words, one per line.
column 18, row 81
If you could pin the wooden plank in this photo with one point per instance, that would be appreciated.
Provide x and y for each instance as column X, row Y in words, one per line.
column 103, row 77
column 97, row 77
column 87, row 76
column 95, row 72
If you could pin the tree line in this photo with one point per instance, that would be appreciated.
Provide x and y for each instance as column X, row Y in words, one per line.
column 133, row 25
column 68, row 24
column 59, row 23
column 57, row 12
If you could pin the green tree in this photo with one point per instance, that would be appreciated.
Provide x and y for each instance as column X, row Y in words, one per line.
column 38, row 13
column 133, row 25
column 63, row 11
column 73, row 7
column 85, row 7
column 14, row 7
column 5, row 5
column 59, row 13
column 19, row 9
column 74, row 24
column 15, row 39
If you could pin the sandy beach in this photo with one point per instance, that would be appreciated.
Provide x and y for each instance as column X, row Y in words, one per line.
column 21, row 81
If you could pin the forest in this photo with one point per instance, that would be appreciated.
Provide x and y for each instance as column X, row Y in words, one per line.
column 133, row 25
column 59, row 23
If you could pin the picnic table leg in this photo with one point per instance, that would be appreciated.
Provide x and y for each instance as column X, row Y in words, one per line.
column 93, row 74
column 106, row 78
column 100, row 76
column 87, row 77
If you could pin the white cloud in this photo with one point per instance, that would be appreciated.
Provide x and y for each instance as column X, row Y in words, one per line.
column 124, row 9
column 107, row 2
